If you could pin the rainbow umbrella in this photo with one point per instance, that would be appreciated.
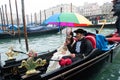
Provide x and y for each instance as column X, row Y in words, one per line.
column 68, row 19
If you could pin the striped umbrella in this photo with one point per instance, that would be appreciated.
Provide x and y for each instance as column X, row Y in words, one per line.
column 68, row 19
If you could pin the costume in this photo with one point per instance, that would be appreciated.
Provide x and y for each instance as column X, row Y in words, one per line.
column 101, row 42
column 116, row 9
column 85, row 47
column 54, row 63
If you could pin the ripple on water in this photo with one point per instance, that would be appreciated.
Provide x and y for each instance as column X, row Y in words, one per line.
column 119, row 78
column 119, row 72
column 112, row 75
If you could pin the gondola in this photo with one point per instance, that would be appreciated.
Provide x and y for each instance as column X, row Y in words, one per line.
column 99, row 26
column 30, row 32
column 77, row 70
column 113, row 37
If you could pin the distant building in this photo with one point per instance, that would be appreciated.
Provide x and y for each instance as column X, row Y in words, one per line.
column 93, row 11
column 90, row 9
column 58, row 9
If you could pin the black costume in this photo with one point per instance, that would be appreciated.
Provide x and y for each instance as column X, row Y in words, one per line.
column 85, row 47
column 116, row 9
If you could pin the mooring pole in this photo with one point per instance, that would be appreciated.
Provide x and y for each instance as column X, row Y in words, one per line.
column 40, row 17
column 6, row 14
column 4, row 23
column 11, row 16
column 1, row 19
column 18, row 21
column 24, row 23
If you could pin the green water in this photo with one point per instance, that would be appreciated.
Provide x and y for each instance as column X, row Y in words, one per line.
column 39, row 44
column 110, row 71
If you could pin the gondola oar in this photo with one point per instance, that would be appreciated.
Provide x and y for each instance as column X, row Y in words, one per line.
column 25, row 52
column 102, row 27
column 19, row 51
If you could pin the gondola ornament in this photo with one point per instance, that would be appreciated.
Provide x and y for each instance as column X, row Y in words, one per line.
column 11, row 54
column 31, row 53
column 30, row 65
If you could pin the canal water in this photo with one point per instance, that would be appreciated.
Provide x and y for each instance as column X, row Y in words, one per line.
column 44, row 43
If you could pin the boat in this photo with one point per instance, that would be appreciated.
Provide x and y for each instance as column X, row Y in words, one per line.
column 31, row 31
column 77, row 70
column 113, row 37
column 99, row 26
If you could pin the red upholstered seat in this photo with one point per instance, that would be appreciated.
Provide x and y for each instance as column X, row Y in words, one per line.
column 65, row 62
column 92, row 40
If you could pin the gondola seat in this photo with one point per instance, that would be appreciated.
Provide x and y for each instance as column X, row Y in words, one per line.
column 92, row 40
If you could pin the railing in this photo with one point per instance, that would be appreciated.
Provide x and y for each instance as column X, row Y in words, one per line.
column 106, row 21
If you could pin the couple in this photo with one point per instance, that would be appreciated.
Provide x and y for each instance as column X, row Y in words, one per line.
column 75, row 48
column 81, row 46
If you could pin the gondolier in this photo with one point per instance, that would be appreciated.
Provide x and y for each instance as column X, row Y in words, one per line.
column 116, row 9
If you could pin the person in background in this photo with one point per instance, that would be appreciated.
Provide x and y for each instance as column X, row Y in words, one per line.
column 82, row 46
column 116, row 10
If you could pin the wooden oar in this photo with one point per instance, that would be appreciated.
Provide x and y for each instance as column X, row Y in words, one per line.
column 19, row 51
column 102, row 27
column 25, row 53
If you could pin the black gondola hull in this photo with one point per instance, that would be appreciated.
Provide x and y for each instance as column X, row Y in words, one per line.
column 80, row 69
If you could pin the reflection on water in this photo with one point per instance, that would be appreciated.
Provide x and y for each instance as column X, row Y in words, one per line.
column 111, row 71
column 50, row 42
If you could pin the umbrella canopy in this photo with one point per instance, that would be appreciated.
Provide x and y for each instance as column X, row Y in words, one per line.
column 68, row 19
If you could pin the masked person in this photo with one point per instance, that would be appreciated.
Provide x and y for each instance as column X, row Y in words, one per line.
column 82, row 46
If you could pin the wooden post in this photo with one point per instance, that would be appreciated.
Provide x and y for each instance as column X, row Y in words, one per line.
column 6, row 15
column 4, row 23
column 11, row 16
column 71, row 12
column 71, row 7
column 45, row 14
column 52, row 12
column 0, row 62
column 24, row 23
column 18, row 21
column 35, row 17
column 31, row 19
column 1, row 19
column 61, row 10
column 27, row 19
column 40, row 17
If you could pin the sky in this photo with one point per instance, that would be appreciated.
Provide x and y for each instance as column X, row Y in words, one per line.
column 32, row 6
